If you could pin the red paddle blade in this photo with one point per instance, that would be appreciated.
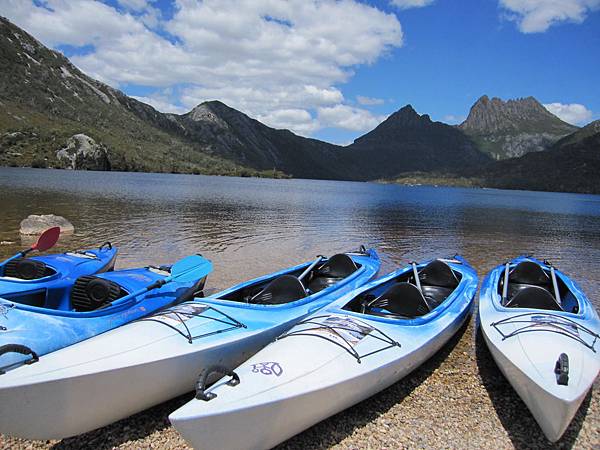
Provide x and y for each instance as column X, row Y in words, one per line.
column 47, row 239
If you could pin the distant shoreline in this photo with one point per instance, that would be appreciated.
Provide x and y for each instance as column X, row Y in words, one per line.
column 407, row 179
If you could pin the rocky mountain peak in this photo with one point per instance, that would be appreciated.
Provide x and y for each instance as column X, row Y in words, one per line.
column 496, row 115
column 506, row 129
column 206, row 112
column 404, row 117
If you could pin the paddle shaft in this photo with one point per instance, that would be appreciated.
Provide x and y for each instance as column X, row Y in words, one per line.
column 178, row 270
column 45, row 241
column 155, row 285
column 18, row 255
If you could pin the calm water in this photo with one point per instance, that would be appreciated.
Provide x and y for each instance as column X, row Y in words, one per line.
column 249, row 227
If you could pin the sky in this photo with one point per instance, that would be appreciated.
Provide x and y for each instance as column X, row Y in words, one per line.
column 331, row 69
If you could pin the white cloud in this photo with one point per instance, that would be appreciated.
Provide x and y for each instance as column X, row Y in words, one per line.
column 453, row 119
column 161, row 104
column 573, row 113
column 369, row 101
column 134, row 5
column 406, row 4
column 298, row 120
column 349, row 118
column 534, row 16
column 261, row 56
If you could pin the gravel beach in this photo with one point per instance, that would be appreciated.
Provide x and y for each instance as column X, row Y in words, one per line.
column 458, row 399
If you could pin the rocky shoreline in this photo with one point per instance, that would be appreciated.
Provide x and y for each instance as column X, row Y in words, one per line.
column 458, row 399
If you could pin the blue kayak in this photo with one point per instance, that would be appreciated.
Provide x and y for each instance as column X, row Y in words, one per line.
column 88, row 305
column 45, row 280
column 154, row 359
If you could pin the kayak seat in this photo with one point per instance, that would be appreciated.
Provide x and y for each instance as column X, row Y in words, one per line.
column 90, row 293
column 535, row 297
column 528, row 272
column 317, row 284
column 401, row 299
column 338, row 266
column 284, row 289
column 438, row 281
column 525, row 275
column 438, row 273
column 435, row 295
column 334, row 270
column 27, row 269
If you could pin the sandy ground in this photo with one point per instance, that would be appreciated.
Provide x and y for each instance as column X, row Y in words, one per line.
column 458, row 399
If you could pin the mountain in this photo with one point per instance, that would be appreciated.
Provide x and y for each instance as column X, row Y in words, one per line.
column 233, row 135
column 53, row 115
column 506, row 129
column 571, row 165
column 49, row 107
column 409, row 142
column 46, row 102
column 590, row 129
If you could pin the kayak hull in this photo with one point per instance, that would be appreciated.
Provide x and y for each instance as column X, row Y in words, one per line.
column 138, row 365
column 528, row 359
column 72, row 405
column 316, row 379
column 551, row 411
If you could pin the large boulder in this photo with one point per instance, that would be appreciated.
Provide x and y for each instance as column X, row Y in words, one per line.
column 81, row 152
column 35, row 224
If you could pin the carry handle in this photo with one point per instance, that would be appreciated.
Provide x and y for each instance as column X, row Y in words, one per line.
column 561, row 369
column 106, row 245
column 201, row 393
column 18, row 348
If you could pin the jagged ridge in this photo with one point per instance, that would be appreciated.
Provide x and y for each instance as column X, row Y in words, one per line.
column 512, row 128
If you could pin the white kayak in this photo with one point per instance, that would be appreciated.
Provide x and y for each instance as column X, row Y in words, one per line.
column 354, row 348
column 126, row 370
column 543, row 333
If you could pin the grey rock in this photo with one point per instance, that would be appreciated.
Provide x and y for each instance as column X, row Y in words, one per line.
column 81, row 152
column 36, row 224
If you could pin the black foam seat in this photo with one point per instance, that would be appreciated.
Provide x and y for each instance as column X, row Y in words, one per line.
column 435, row 295
column 401, row 299
column 528, row 272
column 26, row 269
column 525, row 275
column 438, row 273
column 535, row 297
column 284, row 289
column 318, row 283
column 338, row 266
column 335, row 269
column 438, row 281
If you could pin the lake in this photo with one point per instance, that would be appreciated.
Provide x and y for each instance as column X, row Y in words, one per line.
column 249, row 227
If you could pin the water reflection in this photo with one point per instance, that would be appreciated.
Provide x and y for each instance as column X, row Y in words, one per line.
column 249, row 226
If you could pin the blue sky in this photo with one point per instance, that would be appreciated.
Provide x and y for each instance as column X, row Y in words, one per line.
column 331, row 69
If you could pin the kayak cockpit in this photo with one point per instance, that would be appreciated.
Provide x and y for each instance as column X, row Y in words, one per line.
column 529, row 285
column 296, row 284
column 91, row 293
column 412, row 294
column 88, row 293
